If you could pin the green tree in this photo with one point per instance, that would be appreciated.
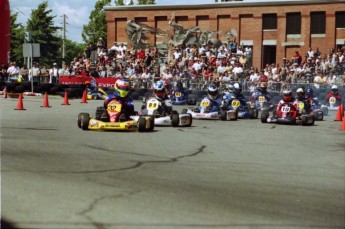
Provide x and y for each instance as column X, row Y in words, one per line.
column 146, row 2
column 119, row 3
column 41, row 27
column 17, row 32
column 97, row 26
column 72, row 49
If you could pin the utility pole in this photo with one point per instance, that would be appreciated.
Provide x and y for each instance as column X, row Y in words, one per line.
column 63, row 41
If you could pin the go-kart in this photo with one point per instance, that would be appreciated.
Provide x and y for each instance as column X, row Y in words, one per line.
column 288, row 114
column 244, row 111
column 98, row 94
column 203, row 111
column 317, row 113
column 182, row 98
column 332, row 104
column 154, row 108
column 114, row 119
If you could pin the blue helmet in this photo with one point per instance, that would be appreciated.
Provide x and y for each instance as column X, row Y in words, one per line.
column 212, row 91
column 159, row 89
column 309, row 91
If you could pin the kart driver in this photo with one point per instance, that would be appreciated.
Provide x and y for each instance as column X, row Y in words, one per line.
column 159, row 92
column 261, row 91
column 214, row 97
column 179, row 88
column 235, row 94
column 287, row 98
column 314, row 101
column 334, row 93
column 91, row 87
column 301, row 97
column 122, row 87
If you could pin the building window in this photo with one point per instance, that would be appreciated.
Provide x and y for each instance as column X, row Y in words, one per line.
column 318, row 23
column 340, row 20
column 293, row 23
column 269, row 21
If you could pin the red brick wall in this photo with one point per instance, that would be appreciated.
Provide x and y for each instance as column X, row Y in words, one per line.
column 247, row 20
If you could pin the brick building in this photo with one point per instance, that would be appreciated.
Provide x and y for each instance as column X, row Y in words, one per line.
column 274, row 29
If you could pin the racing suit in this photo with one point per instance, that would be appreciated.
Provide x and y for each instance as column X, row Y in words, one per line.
column 228, row 97
column 337, row 96
column 293, row 102
column 307, row 104
column 215, row 103
column 314, row 101
column 256, row 95
column 127, row 103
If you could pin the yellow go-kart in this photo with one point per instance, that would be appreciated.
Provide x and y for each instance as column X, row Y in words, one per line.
column 113, row 119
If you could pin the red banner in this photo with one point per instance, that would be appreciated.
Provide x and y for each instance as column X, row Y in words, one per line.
column 101, row 82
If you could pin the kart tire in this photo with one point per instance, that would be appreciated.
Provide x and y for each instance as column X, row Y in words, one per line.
column 236, row 116
column 175, row 120
column 184, row 111
column 99, row 112
column 142, row 124
column 191, row 120
column 325, row 110
column 152, row 123
column 223, row 115
column 304, row 120
column 264, row 116
column 79, row 120
column 174, row 112
column 84, row 121
column 252, row 113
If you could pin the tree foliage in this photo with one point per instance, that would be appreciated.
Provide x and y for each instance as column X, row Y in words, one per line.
column 41, row 27
column 17, row 38
column 146, row 2
column 97, row 26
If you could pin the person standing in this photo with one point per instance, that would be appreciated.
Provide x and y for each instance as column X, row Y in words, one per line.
column 13, row 72
column 35, row 73
column 24, row 73
column 54, row 74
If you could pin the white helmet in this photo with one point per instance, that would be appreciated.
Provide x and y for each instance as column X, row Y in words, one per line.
column 334, row 88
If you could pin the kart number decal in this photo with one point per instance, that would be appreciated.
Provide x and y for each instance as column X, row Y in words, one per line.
column 178, row 94
column 152, row 104
column 285, row 109
column 114, row 106
column 261, row 99
column 332, row 100
column 235, row 103
column 205, row 103
column 301, row 105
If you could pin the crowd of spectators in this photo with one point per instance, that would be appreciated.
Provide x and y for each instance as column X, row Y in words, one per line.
column 195, row 66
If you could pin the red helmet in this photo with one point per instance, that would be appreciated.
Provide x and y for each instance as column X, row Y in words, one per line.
column 287, row 96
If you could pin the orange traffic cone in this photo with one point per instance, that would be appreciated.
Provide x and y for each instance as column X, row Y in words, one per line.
column 65, row 100
column 5, row 93
column 340, row 113
column 20, row 103
column 84, row 98
column 45, row 101
column 342, row 126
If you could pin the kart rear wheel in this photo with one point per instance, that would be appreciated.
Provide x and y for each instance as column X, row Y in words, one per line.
column 79, row 120
column 142, row 124
column 84, row 121
column 152, row 123
column 264, row 116
column 175, row 120
column 253, row 113
column 223, row 115
column 191, row 120
column 234, row 116
column 184, row 111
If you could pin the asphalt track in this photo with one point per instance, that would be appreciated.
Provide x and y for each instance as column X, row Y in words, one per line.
column 215, row 174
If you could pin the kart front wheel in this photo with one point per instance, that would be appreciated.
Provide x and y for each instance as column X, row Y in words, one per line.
column 152, row 123
column 142, row 124
column 84, row 121
column 264, row 116
column 184, row 111
column 175, row 120
column 223, row 115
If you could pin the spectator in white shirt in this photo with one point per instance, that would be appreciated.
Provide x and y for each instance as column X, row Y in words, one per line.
column 13, row 72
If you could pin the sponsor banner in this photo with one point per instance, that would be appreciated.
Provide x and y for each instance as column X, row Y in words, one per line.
column 101, row 82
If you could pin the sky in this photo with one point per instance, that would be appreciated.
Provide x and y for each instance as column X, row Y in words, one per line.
column 77, row 12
